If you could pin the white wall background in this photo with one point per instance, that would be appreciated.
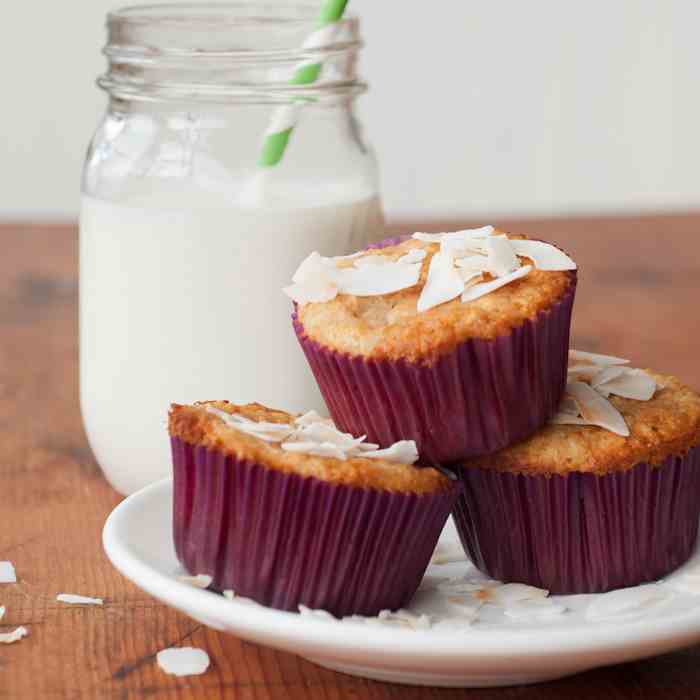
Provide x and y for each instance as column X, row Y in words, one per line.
column 476, row 107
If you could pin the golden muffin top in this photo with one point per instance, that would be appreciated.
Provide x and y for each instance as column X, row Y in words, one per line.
column 226, row 427
column 666, row 425
column 392, row 325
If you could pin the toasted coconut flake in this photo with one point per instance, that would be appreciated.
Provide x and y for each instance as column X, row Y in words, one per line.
column 596, row 409
column 509, row 593
column 535, row 610
column 444, row 282
column 584, row 373
column 183, row 661
column 74, row 599
column 501, row 259
column 403, row 452
column 579, row 357
column 14, row 636
column 7, row 572
column 198, row 581
column 626, row 602
column 545, row 256
column 479, row 290
column 630, row 384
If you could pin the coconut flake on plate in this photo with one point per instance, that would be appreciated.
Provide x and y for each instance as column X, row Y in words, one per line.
column 7, row 572
column 479, row 290
column 198, row 581
column 596, row 409
column 537, row 610
column 545, row 256
column 14, row 636
column 317, row 613
column 443, row 284
column 509, row 593
column 74, row 599
column 626, row 602
column 183, row 661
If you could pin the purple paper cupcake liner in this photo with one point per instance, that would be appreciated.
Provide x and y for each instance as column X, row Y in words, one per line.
column 581, row 533
column 476, row 399
column 285, row 540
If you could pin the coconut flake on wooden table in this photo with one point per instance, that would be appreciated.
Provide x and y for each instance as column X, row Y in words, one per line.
column 626, row 602
column 198, row 581
column 183, row 661
column 74, row 599
column 311, row 434
column 7, row 572
column 14, row 636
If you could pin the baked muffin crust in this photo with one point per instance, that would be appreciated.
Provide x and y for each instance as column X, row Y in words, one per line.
column 666, row 425
column 195, row 425
column 390, row 327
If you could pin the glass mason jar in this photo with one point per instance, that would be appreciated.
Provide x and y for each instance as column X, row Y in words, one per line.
column 186, row 239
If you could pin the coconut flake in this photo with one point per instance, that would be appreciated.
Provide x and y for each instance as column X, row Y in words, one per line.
column 444, row 282
column 604, row 374
column 535, row 610
column 501, row 259
column 563, row 418
column 74, row 599
column 545, row 256
column 323, row 449
column 374, row 280
column 596, row 409
column 509, row 593
column 630, row 384
column 479, row 290
column 455, row 236
column 626, row 602
column 403, row 452
column 7, row 572
column 269, row 432
column 318, row 614
column 311, row 417
column 413, row 256
column 14, row 636
column 325, row 433
column 198, row 581
column 584, row 373
column 183, row 661
column 473, row 263
column 591, row 358
column 402, row 618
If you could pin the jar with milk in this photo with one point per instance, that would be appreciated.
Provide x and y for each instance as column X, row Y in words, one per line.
column 187, row 234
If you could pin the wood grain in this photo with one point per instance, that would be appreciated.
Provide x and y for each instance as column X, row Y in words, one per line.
column 638, row 297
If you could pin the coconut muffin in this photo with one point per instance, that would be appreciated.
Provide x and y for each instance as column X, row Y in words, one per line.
column 288, row 511
column 457, row 341
column 578, row 508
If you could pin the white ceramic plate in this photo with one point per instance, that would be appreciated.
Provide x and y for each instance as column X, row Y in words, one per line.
column 492, row 650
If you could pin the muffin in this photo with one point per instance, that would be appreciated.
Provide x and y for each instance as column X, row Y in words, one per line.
column 288, row 511
column 457, row 341
column 583, row 509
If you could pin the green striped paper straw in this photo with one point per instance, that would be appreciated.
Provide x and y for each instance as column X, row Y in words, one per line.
column 285, row 118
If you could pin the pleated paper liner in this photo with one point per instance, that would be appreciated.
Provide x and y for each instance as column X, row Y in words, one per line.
column 285, row 540
column 478, row 398
column 581, row 533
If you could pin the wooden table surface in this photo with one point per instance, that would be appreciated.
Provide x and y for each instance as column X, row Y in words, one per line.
column 638, row 297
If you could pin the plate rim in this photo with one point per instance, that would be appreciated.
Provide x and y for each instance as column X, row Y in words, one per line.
column 679, row 629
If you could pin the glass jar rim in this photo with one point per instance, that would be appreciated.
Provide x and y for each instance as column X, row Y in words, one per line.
column 220, row 49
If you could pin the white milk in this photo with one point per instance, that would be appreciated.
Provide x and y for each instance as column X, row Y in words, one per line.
column 181, row 301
